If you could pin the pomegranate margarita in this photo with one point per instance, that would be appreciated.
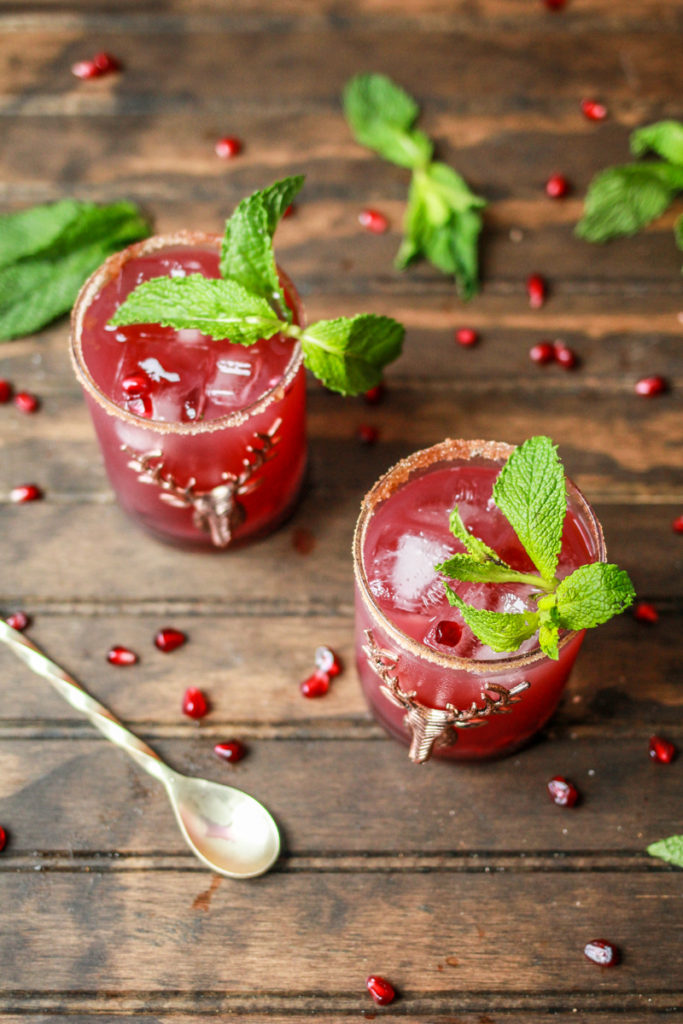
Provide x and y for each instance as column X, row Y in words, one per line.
column 203, row 440
column 427, row 677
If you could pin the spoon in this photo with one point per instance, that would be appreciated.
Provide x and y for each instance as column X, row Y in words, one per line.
column 230, row 831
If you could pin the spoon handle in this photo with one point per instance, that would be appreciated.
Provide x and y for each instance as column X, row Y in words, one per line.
column 72, row 692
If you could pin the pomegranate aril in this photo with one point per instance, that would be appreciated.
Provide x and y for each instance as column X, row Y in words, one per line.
column 543, row 352
column 593, row 110
column 303, row 540
column 195, row 705
column 645, row 612
column 373, row 220
column 367, row 434
column 232, row 751
column 565, row 356
column 536, row 290
column 169, row 639
column 26, row 402
column 85, row 69
column 289, row 210
column 448, row 633
column 677, row 524
column 602, row 952
column 316, row 685
column 18, row 620
column 228, row 147
column 25, row 492
column 381, row 990
column 661, row 750
column 554, row 5
column 3, row 838
column 106, row 63
column 327, row 662
column 466, row 336
column 140, row 406
column 562, row 792
column 121, row 656
column 557, row 186
column 5, row 391
column 650, row 386
column 375, row 395
column 136, row 385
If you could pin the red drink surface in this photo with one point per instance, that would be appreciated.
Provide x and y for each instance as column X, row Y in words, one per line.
column 176, row 413
column 401, row 600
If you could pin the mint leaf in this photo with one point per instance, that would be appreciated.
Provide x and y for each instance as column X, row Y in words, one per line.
column 549, row 627
column 592, row 595
column 221, row 309
column 665, row 138
column 670, row 850
column 678, row 232
column 473, row 570
column 501, row 631
column 622, row 200
column 247, row 252
column 475, row 547
column 530, row 491
column 381, row 116
column 31, row 231
column 348, row 354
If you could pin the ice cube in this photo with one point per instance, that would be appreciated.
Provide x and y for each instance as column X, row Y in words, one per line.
column 414, row 580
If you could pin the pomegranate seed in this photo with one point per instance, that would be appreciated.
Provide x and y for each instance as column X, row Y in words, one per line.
column 169, row 639
column 562, row 792
column 554, row 5
column 543, row 352
column 368, row 434
column 649, row 386
column 373, row 220
column 195, row 704
column 645, row 612
column 25, row 492
column 448, row 633
column 565, row 355
column 602, row 952
column 232, row 751
column 18, row 620
column 536, row 290
column 381, row 990
column 228, row 147
column 557, row 186
column 121, row 656
column 85, row 69
column 135, row 386
column 593, row 110
column 26, row 402
column 5, row 391
column 466, row 336
column 303, row 540
column 289, row 210
column 375, row 395
column 106, row 63
column 677, row 524
column 316, row 685
column 661, row 750
column 327, row 662
column 3, row 839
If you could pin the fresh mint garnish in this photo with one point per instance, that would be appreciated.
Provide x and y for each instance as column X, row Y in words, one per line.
column 530, row 491
column 48, row 251
column 622, row 200
column 442, row 221
column 247, row 302
column 669, row 849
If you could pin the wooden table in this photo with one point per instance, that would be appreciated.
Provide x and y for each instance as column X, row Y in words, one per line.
column 464, row 885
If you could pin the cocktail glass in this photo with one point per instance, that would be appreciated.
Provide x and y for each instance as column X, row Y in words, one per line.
column 426, row 678
column 204, row 441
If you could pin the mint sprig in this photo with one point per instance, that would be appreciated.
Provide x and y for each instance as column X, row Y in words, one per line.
column 623, row 200
column 669, row 850
column 48, row 251
column 247, row 303
column 530, row 491
column 442, row 222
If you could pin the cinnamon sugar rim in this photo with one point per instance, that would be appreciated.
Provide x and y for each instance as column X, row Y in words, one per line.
column 111, row 267
column 451, row 450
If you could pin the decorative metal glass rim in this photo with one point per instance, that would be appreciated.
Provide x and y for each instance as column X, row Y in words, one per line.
column 453, row 450
column 92, row 287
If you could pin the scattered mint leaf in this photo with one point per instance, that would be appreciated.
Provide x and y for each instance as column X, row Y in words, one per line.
column 622, row 200
column 665, row 138
column 474, row 546
column 670, row 850
column 592, row 595
column 219, row 308
column 442, row 221
column 247, row 252
column 348, row 354
column 501, row 631
column 381, row 116
column 31, row 231
column 530, row 491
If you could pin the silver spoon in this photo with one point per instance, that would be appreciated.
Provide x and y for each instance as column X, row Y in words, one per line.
column 230, row 831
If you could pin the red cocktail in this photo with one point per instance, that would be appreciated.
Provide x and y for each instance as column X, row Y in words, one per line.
column 426, row 677
column 204, row 441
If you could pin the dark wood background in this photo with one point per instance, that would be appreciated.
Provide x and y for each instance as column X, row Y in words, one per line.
column 464, row 885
